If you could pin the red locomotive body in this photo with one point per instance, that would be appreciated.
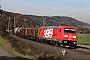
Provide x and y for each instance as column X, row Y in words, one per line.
column 65, row 35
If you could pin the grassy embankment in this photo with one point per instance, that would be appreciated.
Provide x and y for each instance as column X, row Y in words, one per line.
column 21, row 52
column 25, row 52
column 7, row 46
column 84, row 39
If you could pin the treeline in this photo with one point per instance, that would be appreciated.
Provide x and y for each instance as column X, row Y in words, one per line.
column 82, row 30
column 3, row 27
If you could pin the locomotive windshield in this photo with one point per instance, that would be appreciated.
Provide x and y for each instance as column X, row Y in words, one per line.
column 69, row 30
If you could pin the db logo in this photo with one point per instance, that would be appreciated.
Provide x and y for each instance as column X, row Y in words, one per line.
column 48, row 33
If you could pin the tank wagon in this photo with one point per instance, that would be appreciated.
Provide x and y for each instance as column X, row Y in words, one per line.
column 56, row 35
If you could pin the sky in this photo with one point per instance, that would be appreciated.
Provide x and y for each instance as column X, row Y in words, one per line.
column 78, row 9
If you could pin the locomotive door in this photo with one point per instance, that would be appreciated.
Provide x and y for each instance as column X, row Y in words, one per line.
column 59, row 34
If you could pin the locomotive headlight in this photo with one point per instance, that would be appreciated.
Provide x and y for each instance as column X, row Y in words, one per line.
column 65, row 41
column 74, row 36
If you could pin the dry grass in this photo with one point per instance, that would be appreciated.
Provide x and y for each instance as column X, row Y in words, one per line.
column 23, row 51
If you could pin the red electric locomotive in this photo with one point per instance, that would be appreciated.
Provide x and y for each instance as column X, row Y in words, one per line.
column 64, row 35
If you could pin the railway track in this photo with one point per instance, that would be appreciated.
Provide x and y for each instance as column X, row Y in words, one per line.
column 80, row 53
column 83, row 50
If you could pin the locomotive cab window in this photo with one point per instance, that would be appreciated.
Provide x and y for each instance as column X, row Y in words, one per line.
column 69, row 30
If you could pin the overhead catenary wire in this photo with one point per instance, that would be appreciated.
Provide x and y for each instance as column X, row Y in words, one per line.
column 63, row 10
column 82, row 16
column 79, row 13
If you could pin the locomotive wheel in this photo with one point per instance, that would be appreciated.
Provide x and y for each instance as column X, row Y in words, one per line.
column 41, row 40
column 46, row 41
column 56, row 43
column 51, row 42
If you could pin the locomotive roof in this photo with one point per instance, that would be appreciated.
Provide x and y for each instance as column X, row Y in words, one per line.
column 51, row 26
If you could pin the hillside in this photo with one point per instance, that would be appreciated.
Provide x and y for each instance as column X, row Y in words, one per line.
column 33, row 20
column 54, row 20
